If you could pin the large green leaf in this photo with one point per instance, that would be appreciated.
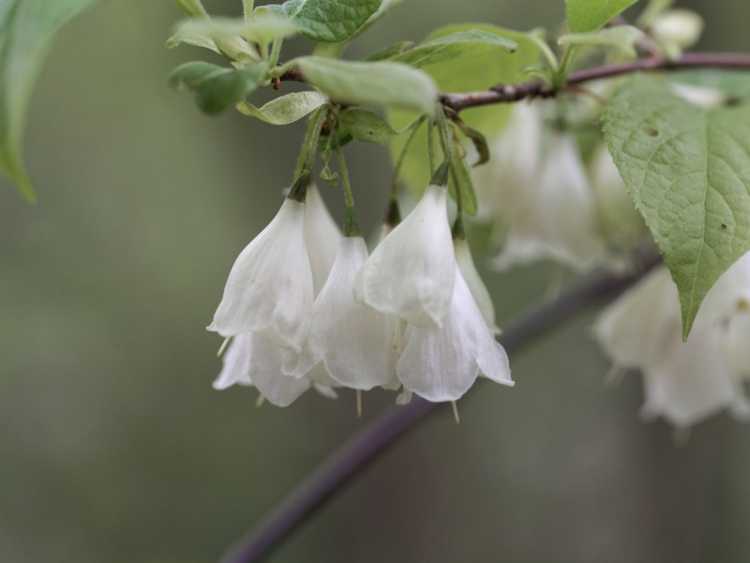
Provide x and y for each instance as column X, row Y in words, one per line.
column 590, row 15
column 472, row 69
column 26, row 31
column 688, row 171
column 468, row 43
column 380, row 83
column 216, row 88
column 331, row 20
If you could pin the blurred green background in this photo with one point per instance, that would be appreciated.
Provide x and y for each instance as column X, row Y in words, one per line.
column 113, row 446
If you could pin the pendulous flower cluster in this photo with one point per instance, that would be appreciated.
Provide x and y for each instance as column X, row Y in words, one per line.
column 305, row 306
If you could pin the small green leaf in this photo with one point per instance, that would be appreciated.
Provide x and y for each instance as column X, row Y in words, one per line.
column 623, row 38
column 687, row 169
column 331, row 20
column 27, row 28
column 381, row 83
column 468, row 43
column 216, row 88
column 590, row 15
column 234, row 36
column 285, row 109
column 391, row 51
column 364, row 125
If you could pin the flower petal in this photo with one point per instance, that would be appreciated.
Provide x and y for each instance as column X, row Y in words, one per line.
column 475, row 283
column 353, row 340
column 322, row 236
column 442, row 363
column 265, row 369
column 270, row 285
column 411, row 272
column 236, row 364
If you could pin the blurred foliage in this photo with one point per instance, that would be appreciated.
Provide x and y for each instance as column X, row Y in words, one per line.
column 114, row 447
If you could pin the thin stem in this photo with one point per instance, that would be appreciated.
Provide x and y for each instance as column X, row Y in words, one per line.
column 430, row 147
column 350, row 224
column 402, row 157
column 310, row 143
column 351, row 458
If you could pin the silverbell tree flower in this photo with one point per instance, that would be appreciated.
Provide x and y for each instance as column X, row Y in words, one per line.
column 684, row 382
column 555, row 217
column 502, row 183
column 270, row 285
column 441, row 363
column 410, row 274
column 357, row 344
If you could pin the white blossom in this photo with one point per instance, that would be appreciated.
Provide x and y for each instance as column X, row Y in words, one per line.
column 556, row 218
column 410, row 273
column 441, row 363
column 357, row 344
column 270, row 285
column 684, row 382
column 503, row 183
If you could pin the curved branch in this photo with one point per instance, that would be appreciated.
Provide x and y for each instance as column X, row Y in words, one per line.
column 507, row 93
column 352, row 458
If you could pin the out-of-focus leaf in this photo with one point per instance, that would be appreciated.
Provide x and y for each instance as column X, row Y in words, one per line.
column 622, row 38
column 468, row 43
column 27, row 28
column 365, row 125
column 385, row 84
column 590, row 15
column 216, row 88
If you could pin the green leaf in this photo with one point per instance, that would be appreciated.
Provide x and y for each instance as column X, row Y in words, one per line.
column 688, row 171
column 216, row 88
column 486, row 68
column 285, row 109
column 623, row 38
column 234, row 36
column 590, row 15
column 27, row 28
column 381, row 83
column 364, row 125
column 391, row 51
column 469, row 43
column 193, row 7
column 331, row 20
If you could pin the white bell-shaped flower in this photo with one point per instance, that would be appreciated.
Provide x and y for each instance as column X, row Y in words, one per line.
column 474, row 281
column 557, row 218
column 693, row 380
column 502, row 184
column 357, row 344
column 441, row 363
column 684, row 382
column 270, row 285
column 322, row 236
column 256, row 359
column 410, row 273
